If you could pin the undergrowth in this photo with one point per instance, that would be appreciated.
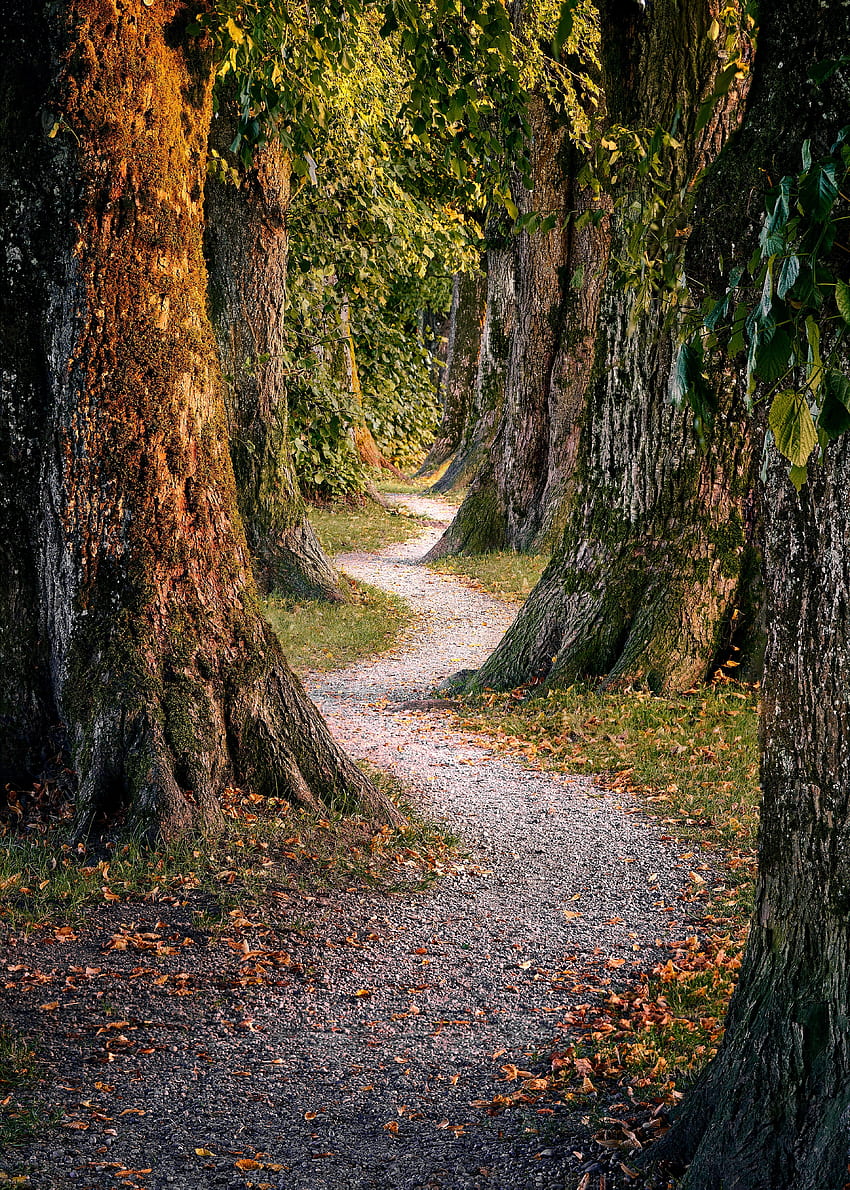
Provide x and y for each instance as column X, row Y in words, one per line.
column 19, row 1114
column 343, row 528
column 264, row 846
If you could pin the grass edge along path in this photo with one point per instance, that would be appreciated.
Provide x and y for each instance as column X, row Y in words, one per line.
column 504, row 574
column 691, row 763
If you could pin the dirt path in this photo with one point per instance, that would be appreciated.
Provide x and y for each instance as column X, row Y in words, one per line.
column 378, row 1067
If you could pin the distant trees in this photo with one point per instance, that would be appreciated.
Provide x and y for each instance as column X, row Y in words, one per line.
column 652, row 533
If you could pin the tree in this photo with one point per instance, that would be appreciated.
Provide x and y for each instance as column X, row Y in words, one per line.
column 466, row 328
column 771, row 1110
column 128, row 613
column 247, row 253
column 648, row 572
column 486, row 403
column 512, row 498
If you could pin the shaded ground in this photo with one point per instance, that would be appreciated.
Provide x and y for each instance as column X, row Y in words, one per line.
column 356, row 1039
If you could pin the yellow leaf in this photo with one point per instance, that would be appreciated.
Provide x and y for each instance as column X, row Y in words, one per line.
column 204, row 1153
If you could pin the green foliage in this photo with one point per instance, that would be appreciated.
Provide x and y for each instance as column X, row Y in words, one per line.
column 651, row 188
column 790, row 310
column 371, row 247
column 401, row 405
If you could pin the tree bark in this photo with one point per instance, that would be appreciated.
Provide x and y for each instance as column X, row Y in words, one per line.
column 134, row 581
column 246, row 246
column 488, row 391
column 648, row 571
column 772, row 1110
column 500, row 509
column 466, row 323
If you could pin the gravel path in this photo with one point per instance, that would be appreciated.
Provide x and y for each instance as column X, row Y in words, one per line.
column 375, row 1064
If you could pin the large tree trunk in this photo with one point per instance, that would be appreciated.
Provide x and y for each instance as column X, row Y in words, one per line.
column 772, row 1111
column 246, row 245
column 488, row 390
column 132, row 579
column 648, row 571
column 466, row 322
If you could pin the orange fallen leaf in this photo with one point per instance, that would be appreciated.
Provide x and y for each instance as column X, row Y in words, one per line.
column 248, row 1163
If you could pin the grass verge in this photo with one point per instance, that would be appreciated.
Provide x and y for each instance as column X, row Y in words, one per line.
column 264, row 848
column 505, row 574
column 690, row 761
column 318, row 635
column 343, row 528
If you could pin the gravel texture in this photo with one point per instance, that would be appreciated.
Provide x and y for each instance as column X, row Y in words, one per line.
column 369, row 1049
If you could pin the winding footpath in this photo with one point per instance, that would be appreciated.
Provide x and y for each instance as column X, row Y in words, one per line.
column 378, row 1068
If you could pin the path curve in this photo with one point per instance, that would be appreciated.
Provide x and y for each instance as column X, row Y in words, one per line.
column 371, row 1060
column 561, row 872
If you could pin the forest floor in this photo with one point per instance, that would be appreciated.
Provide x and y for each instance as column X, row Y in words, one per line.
column 355, row 1037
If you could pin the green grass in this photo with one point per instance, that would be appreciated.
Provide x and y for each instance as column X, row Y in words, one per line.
column 506, row 575
column 262, row 846
column 319, row 636
column 343, row 528
column 20, row 1117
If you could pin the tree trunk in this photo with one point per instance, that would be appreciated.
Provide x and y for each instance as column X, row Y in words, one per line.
column 246, row 245
column 500, row 510
column 345, row 368
column 466, row 322
column 134, row 581
column 772, row 1111
column 488, row 392
column 648, row 572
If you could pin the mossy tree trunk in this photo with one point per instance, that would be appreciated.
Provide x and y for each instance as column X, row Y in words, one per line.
column 132, row 579
column 648, row 571
column 466, row 323
column 488, row 390
column 772, row 1110
column 246, row 245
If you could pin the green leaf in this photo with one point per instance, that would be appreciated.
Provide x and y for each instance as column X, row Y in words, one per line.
column 788, row 275
column 565, row 27
column 842, row 299
column 834, row 416
column 814, row 360
column 818, row 191
column 798, row 476
column 790, row 419
column 688, row 383
column 773, row 355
